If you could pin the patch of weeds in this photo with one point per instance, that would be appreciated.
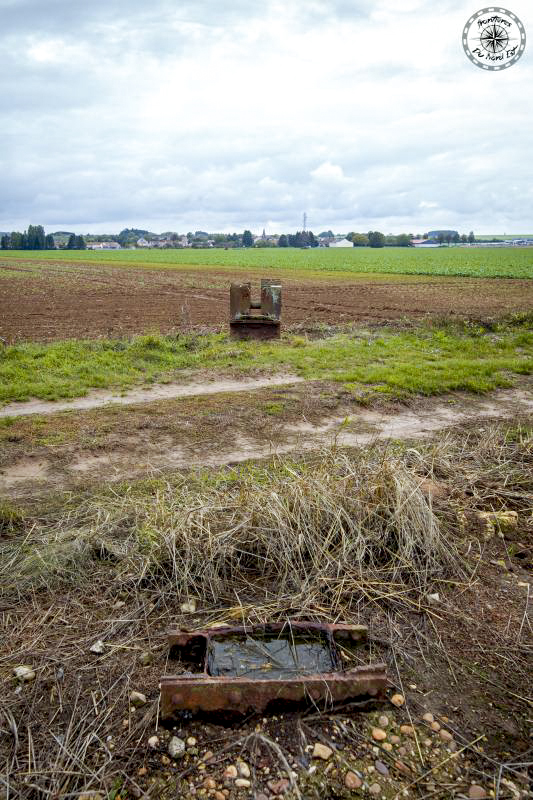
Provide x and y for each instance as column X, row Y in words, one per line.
column 12, row 519
column 274, row 408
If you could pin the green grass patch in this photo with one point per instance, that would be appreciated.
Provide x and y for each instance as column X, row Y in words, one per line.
column 507, row 262
column 425, row 360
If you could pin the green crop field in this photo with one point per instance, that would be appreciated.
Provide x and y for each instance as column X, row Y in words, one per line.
column 454, row 261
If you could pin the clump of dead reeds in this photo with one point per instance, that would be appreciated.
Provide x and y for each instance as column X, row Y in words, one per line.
column 328, row 529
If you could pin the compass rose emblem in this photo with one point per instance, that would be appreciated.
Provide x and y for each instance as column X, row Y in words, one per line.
column 494, row 38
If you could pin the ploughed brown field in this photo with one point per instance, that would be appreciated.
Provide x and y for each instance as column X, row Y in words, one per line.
column 72, row 300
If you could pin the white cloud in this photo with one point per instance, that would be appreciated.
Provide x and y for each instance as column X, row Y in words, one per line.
column 198, row 115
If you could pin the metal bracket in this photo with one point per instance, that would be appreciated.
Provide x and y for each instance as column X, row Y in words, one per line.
column 266, row 322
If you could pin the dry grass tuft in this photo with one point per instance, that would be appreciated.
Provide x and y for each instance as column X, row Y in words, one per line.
column 325, row 531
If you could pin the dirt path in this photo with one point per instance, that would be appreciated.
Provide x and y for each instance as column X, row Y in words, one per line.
column 159, row 453
column 167, row 391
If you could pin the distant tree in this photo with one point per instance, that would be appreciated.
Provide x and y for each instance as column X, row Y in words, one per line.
column 283, row 241
column 71, row 244
column 80, row 243
column 403, row 240
column 24, row 241
column 425, row 236
column 360, row 240
column 247, row 239
column 464, row 238
column 456, row 238
column 35, row 237
column 5, row 242
column 16, row 240
column 49, row 242
column 326, row 235
column 440, row 238
column 376, row 239
column 471, row 237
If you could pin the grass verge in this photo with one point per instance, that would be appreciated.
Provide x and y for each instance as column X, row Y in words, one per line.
column 396, row 363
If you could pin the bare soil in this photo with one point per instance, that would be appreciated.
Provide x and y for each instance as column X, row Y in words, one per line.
column 75, row 301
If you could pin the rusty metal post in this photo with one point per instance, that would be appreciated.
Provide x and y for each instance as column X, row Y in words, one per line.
column 266, row 322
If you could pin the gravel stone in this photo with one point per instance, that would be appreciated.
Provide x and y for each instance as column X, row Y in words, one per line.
column 378, row 734
column 278, row 787
column 397, row 700
column 176, row 747
column 231, row 772
column 321, row 751
column 476, row 792
column 352, row 781
column 375, row 789
column 244, row 769
column 23, row 673
column 138, row 699
column 381, row 768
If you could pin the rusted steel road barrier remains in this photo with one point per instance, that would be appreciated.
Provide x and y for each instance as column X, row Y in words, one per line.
column 266, row 322
column 241, row 670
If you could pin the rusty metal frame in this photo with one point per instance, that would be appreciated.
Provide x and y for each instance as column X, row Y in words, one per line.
column 266, row 323
column 201, row 692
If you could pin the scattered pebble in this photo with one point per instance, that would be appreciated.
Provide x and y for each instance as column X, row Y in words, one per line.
column 165, row 760
column 231, row 772
column 402, row 767
column 138, row 699
column 387, row 746
column 383, row 721
column 427, row 742
column 434, row 599
column 210, row 783
column 219, row 796
column 476, row 792
column 142, row 771
column 378, row 734
column 397, row 700
column 381, row 768
column 278, row 787
column 375, row 789
column 191, row 741
column 146, row 658
column 407, row 729
column 97, row 647
column 321, row 751
column 189, row 607
column 23, row 673
column 242, row 783
column 446, row 736
column 244, row 769
column 395, row 739
column 153, row 742
column 176, row 747
column 352, row 781
column 435, row 727
column 429, row 718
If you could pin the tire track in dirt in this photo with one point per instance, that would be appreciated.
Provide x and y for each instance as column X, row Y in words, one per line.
column 351, row 430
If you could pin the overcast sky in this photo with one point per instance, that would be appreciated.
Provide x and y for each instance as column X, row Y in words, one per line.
column 218, row 116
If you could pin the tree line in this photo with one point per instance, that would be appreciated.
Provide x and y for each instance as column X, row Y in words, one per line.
column 36, row 239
